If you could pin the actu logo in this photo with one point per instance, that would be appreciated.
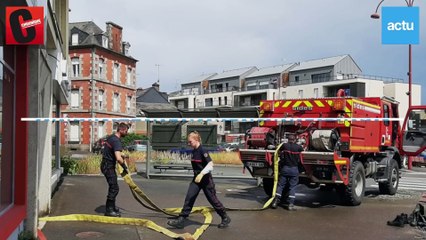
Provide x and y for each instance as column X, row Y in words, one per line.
column 24, row 25
column 400, row 25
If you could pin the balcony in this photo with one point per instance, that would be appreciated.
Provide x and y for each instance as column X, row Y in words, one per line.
column 346, row 77
column 185, row 92
column 219, row 90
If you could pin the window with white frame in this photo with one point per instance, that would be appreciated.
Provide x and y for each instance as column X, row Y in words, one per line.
column 225, row 100
column 129, row 76
column 104, row 41
column 101, row 68
column 115, row 102
column 128, row 103
column 100, row 129
column 116, row 73
column 74, row 39
column 101, row 99
column 74, row 132
column 300, row 93
column 75, row 62
column 75, row 98
column 284, row 95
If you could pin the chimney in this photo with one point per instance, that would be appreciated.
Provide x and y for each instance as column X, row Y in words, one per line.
column 139, row 91
column 156, row 85
column 114, row 34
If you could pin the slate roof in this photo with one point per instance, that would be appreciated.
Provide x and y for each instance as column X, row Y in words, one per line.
column 271, row 70
column 317, row 63
column 232, row 73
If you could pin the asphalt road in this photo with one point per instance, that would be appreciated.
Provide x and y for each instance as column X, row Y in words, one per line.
column 320, row 214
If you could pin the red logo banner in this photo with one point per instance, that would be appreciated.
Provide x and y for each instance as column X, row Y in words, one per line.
column 24, row 25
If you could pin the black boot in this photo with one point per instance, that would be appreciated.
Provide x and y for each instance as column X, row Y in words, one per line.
column 291, row 207
column 399, row 221
column 116, row 209
column 110, row 209
column 274, row 203
column 226, row 220
column 177, row 223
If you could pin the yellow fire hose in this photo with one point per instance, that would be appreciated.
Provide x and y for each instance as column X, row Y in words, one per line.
column 140, row 196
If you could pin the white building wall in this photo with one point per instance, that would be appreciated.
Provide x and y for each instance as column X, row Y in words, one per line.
column 191, row 101
column 271, row 94
column 373, row 88
column 398, row 92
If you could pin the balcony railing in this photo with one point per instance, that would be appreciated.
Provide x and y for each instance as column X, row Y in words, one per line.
column 219, row 90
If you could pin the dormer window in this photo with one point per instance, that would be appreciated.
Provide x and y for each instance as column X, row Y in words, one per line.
column 74, row 39
column 104, row 42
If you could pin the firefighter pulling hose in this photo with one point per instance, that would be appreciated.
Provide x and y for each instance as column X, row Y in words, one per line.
column 145, row 201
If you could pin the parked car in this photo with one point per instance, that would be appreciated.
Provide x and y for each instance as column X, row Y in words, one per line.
column 232, row 147
column 136, row 145
column 98, row 145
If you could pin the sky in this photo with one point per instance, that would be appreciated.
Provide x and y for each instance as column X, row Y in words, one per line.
column 177, row 40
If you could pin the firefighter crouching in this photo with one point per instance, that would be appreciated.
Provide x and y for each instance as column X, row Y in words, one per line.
column 289, row 173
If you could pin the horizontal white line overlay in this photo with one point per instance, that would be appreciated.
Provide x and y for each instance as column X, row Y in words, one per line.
column 206, row 119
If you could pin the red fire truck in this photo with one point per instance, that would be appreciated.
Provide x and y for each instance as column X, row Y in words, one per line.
column 343, row 144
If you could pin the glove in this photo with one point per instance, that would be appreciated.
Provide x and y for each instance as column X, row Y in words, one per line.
column 198, row 178
column 125, row 170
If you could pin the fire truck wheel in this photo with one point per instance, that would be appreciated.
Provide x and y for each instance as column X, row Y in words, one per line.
column 268, row 185
column 354, row 191
column 391, row 186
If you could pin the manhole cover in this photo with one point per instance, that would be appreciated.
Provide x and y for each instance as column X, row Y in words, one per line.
column 89, row 235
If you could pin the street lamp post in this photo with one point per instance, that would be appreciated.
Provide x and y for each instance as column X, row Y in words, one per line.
column 409, row 73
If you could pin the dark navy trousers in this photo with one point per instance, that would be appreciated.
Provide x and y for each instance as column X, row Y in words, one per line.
column 209, row 190
column 289, row 176
column 108, row 170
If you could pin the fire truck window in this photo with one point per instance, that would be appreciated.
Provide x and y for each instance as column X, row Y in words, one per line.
column 417, row 121
column 386, row 114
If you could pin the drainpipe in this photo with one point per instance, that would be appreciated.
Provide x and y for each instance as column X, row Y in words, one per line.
column 58, row 137
column 92, row 106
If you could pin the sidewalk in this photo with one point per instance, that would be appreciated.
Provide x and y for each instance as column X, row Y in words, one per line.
column 82, row 194
column 86, row 195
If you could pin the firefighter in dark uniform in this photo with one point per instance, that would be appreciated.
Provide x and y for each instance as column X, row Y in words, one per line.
column 202, row 165
column 289, row 172
column 111, row 154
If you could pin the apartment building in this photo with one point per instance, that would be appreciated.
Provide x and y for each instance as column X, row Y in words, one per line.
column 103, row 82
column 315, row 78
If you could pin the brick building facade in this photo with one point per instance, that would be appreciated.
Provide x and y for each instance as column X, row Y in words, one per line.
column 103, row 82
